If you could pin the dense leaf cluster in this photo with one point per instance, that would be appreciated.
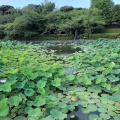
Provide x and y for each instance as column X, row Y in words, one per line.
column 37, row 86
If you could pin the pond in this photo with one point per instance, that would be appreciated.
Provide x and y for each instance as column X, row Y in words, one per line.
column 61, row 81
column 63, row 48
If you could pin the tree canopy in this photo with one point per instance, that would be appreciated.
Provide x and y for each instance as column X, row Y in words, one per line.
column 45, row 18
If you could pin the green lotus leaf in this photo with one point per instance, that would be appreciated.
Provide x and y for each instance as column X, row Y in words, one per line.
column 29, row 92
column 64, row 110
column 5, row 118
column 117, row 117
column 47, row 118
column 41, row 90
column 32, row 76
column 52, row 97
column 39, row 102
column 13, row 71
column 70, row 107
column 13, row 115
column 85, row 111
column 99, row 80
column 20, row 84
column 58, row 115
column 105, row 116
column 94, row 95
column 5, row 87
column 56, row 82
column 21, row 111
column 22, row 96
column 31, row 118
column 14, row 109
column 2, row 96
column 5, row 60
column 100, row 69
column 30, row 103
column 83, row 103
column 41, row 83
column 28, row 72
column 48, row 75
column 71, row 77
column 14, row 100
column 80, row 89
column 111, row 113
column 31, row 84
column 34, row 112
column 20, row 118
column 112, row 78
column 115, row 88
column 12, row 78
column 108, row 86
column 72, row 116
column 94, row 117
column 4, row 109
column 104, row 110
column 62, row 105
column 92, row 108
column 116, row 71
column 94, row 88
column 87, row 81
column 111, row 66
column 62, row 72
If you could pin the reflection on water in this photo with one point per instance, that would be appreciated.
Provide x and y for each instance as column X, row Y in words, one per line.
column 63, row 49
column 80, row 115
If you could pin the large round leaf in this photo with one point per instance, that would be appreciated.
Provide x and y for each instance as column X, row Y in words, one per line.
column 29, row 92
column 4, row 109
column 14, row 100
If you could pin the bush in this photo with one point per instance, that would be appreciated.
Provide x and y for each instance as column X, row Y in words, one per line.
column 53, row 37
column 112, row 30
column 102, row 35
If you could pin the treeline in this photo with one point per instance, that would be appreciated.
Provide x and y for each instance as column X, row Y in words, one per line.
column 36, row 20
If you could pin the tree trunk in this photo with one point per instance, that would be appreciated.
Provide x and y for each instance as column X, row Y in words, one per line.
column 76, row 34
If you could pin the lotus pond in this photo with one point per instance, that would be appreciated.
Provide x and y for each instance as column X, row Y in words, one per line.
column 37, row 83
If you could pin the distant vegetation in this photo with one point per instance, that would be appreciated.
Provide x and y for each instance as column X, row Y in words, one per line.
column 32, row 21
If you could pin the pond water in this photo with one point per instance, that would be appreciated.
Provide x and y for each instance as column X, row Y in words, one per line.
column 79, row 115
column 62, row 49
column 66, row 49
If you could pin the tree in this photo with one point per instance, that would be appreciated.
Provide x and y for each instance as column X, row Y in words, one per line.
column 48, row 7
column 4, row 9
column 116, row 14
column 26, row 26
column 66, row 8
column 2, row 34
column 105, row 6
column 92, row 20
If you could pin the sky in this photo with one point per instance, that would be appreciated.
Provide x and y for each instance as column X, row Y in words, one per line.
column 58, row 3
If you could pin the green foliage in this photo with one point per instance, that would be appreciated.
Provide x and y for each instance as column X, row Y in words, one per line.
column 105, row 6
column 25, row 26
column 115, row 14
column 1, row 31
column 111, row 30
column 35, row 84
column 66, row 8
column 104, row 35
column 54, row 37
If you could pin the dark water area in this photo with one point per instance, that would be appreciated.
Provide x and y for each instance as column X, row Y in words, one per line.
column 62, row 49
column 79, row 115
